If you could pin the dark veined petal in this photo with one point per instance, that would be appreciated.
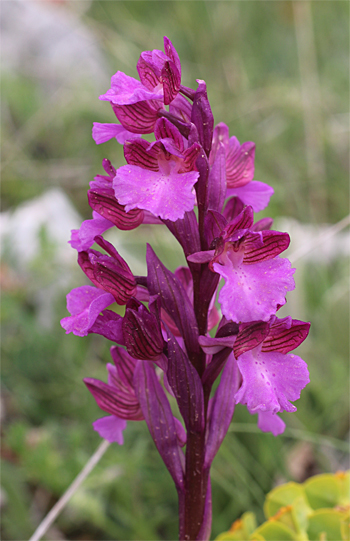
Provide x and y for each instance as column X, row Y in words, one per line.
column 171, row 79
column 263, row 224
column 274, row 243
column 171, row 53
column 121, row 404
column 164, row 129
column 285, row 335
column 147, row 74
column 139, row 117
column 214, row 223
column 142, row 334
column 239, row 163
column 108, row 207
column 136, row 153
column 250, row 336
column 217, row 181
column 220, row 137
column 233, row 208
column 244, row 220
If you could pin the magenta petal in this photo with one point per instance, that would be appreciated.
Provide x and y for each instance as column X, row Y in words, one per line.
column 147, row 75
column 126, row 90
column 201, row 257
column 83, row 238
column 110, row 428
column 220, row 136
column 274, row 243
column 164, row 129
column 85, row 303
column 181, row 108
column 271, row 380
column 253, row 292
column 104, row 132
column 171, row 53
column 171, row 79
column 255, row 193
column 167, row 196
column 212, row 345
column 270, row 422
column 250, row 336
column 285, row 335
column 239, row 163
column 139, row 117
column 244, row 220
column 217, row 180
column 109, row 325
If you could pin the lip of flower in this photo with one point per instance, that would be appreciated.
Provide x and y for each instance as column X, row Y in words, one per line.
column 271, row 377
column 156, row 180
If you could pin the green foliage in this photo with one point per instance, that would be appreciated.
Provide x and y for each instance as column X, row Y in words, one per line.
column 316, row 510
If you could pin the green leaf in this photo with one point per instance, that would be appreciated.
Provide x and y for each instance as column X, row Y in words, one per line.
column 274, row 531
column 240, row 530
column 326, row 523
column 345, row 527
column 281, row 496
column 323, row 491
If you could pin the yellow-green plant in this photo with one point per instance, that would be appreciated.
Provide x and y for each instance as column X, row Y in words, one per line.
column 317, row 510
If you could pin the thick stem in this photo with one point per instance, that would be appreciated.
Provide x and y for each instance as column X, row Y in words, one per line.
column 196, row 482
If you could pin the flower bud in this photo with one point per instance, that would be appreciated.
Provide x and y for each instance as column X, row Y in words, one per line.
column 108, row 272
column 142, row 333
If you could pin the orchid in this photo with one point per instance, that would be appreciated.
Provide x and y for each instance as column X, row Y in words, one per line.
column 173, row 342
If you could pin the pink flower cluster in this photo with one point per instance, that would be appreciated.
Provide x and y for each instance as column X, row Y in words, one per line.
column 199, row 183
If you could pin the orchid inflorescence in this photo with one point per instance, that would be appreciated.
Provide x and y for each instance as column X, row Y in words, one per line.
column 164, row 346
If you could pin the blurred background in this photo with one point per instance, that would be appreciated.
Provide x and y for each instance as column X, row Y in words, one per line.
column 278, row 75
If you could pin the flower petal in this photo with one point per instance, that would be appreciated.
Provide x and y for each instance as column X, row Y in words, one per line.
column 239, row 163
column 109, row 325
column 167, row 196
column 84, row 303
column 270, row 422
column 171, row 79
column 83, row 238
column 139, row 117
column 119, row 401
column 110, row 428
column 255, row 193
column 126, row 90
column 271, row 380
column 250, row 336
column 104, row 132
column 253, row 292
column 274, row 243
column 286, row 335
column 107, row 206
